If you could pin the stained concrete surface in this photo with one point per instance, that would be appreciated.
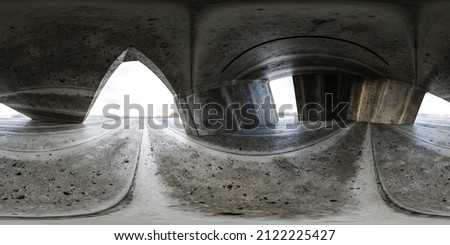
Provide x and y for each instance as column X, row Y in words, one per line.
column 413, row 165
column 318, row 181
column 271, row 141
column 180, row 181
column 226, row 53
column 57, row 170
column 56, row 57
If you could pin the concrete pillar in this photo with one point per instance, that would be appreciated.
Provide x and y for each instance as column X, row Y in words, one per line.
column 321, row 97
column 234, row 106
column 356, row 98
column 385, row 101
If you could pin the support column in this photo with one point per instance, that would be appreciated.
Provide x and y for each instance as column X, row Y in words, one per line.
column 356, row 98
column 234, row 106
column 321, row 97
column 386, row 101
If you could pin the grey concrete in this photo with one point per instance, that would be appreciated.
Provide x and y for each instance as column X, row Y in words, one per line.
column 346, row 97
column 385, row 101
column 316, row 182
column 267, row 141
column 56, row 57
column 233, row 106
column 332, row 180
column 323, row 94
column 413, row 166
column 63, row 170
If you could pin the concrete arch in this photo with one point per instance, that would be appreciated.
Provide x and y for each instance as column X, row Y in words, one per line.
column 306, row 37
column 292, row 65
column 131, row 54
column 378, row 39
column 295, row 55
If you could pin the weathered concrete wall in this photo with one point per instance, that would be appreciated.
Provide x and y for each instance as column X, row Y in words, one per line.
column 320, row 96
column 356, row 98
column 234, row 106
column 385, row 101
column 381, row 58
column 55, row 58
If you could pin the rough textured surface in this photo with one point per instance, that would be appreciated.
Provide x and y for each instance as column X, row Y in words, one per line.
column 66, row 170
column 56, row 57
column 265, row 141
column 308, row 186
column 318, row 181
column 231, row 106
column 276, row 38
column 325, row 93
column 413, row 165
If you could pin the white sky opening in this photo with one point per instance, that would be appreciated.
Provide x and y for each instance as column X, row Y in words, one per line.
column 142, row 85
column 7, row 112
column 434, row 106
column 284, row 94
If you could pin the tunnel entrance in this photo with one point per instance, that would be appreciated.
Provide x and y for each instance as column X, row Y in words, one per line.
column 134, row 91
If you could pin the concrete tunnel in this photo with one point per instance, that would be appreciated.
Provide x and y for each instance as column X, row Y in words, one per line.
column 378, row 57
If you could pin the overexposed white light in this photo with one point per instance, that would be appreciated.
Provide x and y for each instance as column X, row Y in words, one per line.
column 7, row 112
column 433, row 105
column 143, row 87
column 284, row 94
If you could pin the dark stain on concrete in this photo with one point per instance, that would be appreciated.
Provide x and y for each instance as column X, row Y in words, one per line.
column 311, row 182
column 413, row 173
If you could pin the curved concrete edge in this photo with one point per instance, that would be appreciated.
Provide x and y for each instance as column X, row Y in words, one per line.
column 389, row 199
column 312, row 182
column 117, row 202
column 288, row 148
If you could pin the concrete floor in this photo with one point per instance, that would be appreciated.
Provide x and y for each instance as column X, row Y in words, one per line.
column 64, row 170
column 363, row 174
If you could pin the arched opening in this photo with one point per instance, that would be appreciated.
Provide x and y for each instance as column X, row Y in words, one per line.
column 7, row 112
column 433, row 108
column 283, row 94
column 134, row 91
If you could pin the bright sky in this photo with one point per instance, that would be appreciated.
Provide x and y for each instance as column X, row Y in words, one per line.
column 283, row 93
column 434, row 105
column 141, row 84
column 130, row 78
column 6, row 112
